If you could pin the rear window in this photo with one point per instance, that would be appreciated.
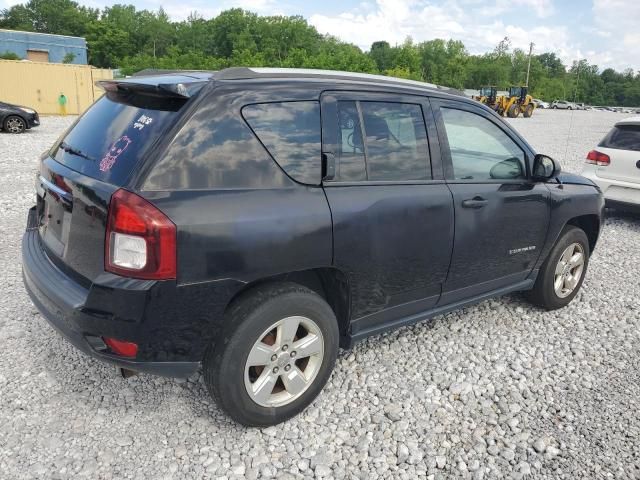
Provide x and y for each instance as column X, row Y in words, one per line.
column 291, row 133
column 110, row 139
column 623, row 137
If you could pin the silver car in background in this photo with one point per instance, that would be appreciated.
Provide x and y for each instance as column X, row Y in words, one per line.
column 540, row 103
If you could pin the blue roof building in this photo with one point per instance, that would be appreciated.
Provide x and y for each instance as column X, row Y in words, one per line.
column 43, row 47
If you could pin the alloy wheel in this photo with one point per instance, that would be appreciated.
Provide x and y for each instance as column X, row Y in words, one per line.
column 569, row 270
column 15, row 125
column 284, row 361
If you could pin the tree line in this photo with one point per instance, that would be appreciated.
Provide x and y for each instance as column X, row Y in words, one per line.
column 123, row 37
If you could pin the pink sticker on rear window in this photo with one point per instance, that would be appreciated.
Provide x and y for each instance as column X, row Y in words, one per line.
column 114, row 152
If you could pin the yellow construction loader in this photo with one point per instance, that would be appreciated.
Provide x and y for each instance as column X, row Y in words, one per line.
column 487, row 95
column 518, row 101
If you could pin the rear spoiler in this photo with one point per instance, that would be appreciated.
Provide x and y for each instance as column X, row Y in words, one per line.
column 164, row 90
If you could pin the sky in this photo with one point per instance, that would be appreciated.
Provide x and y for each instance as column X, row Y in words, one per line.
column 605, row 32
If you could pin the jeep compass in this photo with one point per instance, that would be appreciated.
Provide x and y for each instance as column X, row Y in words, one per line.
column 253, row 221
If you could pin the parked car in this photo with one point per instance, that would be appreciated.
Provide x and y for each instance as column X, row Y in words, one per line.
column 563, row 105
column 17, row 119
column 579, row 106
column 615, row 165
column 540, row 103
column 220, row 219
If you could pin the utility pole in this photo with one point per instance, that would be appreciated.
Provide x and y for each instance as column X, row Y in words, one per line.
column 575, row 92
column 529, row 64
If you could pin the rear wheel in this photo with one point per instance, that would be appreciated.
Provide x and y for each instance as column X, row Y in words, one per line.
column 276, row 353
column 14, row 124
column 562, row 274
column 528, row 111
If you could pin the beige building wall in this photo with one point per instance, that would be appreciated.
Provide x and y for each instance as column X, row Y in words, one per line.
column 38, row 85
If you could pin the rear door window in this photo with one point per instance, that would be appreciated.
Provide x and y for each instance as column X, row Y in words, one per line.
column 290, row 131
column 110, row 139
column 351, row 162
column 381, row 141
column 623, row 137
column 396, row 140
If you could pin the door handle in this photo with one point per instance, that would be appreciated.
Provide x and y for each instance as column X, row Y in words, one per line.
column 475, row 202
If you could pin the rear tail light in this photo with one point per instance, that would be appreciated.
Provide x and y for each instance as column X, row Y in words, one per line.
column 595, row 157
column 122, row 348
column 140, row 240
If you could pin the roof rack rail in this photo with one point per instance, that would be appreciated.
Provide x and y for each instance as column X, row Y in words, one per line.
column 149, row 72
column 245, row 73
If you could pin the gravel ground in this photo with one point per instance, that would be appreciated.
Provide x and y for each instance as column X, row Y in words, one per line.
column 499, row 390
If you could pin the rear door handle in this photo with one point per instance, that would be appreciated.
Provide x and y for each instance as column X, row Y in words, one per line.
column 475, row 202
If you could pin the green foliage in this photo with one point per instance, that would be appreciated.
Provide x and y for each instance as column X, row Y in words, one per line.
column 69, row 57
column 121, row 36
column 63, row 17
column 9, row 56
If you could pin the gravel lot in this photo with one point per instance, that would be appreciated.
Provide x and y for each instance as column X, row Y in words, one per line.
column 500, row 390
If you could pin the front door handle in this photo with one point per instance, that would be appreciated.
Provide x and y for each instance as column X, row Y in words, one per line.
column 475, row 202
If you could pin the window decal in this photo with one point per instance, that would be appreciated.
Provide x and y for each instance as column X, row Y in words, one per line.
column 114, row 152
column 142, row 122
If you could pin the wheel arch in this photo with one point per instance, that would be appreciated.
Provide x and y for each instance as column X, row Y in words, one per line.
column 590, row 224
column 330, row 283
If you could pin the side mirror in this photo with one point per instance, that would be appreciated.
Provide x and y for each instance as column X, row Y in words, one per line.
column 545, row 168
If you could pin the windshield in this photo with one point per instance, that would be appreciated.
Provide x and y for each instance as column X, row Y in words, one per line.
column 111, row 138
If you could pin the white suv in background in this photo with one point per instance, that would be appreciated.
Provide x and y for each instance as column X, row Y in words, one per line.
column 562, row 104
column 615, row 165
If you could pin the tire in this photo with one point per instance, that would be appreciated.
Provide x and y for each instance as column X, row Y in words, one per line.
column 249, row 329
column 14, row 124
column 568, row 108
column 528, row 111
column 544, row 292
column 513, row 111
column 555, row 107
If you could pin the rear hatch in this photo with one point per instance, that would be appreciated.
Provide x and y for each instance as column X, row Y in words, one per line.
column 97, row 156
column 622, row 144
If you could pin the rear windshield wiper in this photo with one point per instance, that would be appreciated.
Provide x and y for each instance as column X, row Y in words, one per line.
column 74, row 151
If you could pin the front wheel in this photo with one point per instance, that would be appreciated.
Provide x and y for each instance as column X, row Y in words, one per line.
column 275, row 354
column 528, row 111
column 562, row 274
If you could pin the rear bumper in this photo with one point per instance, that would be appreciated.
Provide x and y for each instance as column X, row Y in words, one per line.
column 617, row 193
column 626, row 206
column 63, row 303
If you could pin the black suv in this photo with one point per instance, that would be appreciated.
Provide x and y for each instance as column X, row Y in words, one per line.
column 17, row 119
column 255, row 220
